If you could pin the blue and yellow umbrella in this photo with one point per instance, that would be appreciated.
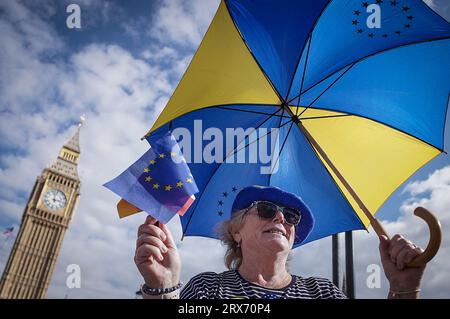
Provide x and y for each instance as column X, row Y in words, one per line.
column 357, row 90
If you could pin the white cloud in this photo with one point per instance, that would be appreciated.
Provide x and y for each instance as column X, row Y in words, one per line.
column 182, row 22
column 438, row 180
column 32, row 28
column 164, row 54
column 26, row 38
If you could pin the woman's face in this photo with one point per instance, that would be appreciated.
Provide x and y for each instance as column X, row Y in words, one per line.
column 262, row 234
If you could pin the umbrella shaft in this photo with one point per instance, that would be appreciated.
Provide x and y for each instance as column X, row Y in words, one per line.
column 373, row 221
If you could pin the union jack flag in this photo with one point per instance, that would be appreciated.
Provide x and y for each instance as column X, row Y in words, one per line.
column 8, row 232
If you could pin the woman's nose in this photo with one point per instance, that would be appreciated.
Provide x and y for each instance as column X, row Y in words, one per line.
column 279, row 217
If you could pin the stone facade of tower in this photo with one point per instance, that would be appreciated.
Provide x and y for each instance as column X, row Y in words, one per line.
column 46, row 217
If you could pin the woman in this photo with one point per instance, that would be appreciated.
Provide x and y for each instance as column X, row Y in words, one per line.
column 265, row 224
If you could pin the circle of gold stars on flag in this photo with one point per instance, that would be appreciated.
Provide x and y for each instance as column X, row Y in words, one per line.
column 156, row 185
column 404, row 24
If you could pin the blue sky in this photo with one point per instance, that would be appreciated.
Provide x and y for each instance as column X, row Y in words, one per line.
column 120, row 69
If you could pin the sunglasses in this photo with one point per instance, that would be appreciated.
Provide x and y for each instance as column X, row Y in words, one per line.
column 268, row 210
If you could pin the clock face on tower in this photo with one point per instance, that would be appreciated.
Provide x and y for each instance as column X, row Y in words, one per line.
column 55, row 199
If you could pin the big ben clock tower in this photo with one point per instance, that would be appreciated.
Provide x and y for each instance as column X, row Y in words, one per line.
column 47, row 215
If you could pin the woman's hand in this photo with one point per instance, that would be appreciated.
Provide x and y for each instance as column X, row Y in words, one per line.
column 156, row 255
column 395, row 254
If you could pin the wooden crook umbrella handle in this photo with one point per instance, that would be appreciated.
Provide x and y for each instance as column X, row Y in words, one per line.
column 435, row 238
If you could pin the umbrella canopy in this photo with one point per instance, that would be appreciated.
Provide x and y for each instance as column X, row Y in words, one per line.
column 369, row 83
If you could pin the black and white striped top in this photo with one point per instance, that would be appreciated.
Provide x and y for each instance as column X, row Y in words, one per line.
column 231, row 285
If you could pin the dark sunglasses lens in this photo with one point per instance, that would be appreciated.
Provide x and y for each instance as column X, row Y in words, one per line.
column 291, row 216
column 266, row 210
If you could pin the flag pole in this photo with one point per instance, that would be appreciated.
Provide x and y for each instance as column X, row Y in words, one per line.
column 3, row 246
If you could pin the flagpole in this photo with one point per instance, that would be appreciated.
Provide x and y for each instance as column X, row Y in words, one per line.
column 4, row 242
column 3, row 246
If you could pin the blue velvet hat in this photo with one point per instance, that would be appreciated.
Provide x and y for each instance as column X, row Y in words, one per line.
column 250, row 194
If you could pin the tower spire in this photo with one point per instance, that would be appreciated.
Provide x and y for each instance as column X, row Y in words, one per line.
column 74, row 143
column 67, row 161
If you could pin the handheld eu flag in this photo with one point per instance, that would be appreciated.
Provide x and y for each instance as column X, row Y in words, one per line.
column 160, row 182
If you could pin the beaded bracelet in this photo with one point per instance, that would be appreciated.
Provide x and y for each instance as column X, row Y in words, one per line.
column 395, row 293
column 159, row 291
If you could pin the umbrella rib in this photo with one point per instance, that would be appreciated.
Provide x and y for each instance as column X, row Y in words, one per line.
column 282, row 146
column 279, row 125
column 248, row 111
column 214, row 172
column 210, row 107
column 368, row 56
column 311, row 30
column 235, row 151
column 281, row 149
column 445, row 121
column 325, row 117
column 385, row 124
column 316, row 84
column 339, row 77
column 303, row 76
